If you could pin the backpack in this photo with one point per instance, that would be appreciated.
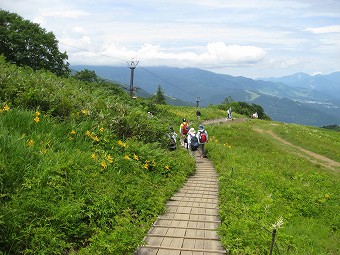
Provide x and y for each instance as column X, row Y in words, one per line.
column 171, row 141
column 194, row 143
column 185, row 128
column 203, row 137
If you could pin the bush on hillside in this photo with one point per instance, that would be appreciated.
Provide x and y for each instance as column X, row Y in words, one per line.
column 244, row 108
column 68, row 98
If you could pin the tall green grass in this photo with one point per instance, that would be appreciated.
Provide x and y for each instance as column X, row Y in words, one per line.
column 74, row 187
column 261, row 181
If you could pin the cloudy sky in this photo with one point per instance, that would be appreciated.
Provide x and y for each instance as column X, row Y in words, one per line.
column 251, row 38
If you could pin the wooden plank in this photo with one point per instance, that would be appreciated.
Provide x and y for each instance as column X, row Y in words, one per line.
column 203, row 220
column 185, row 249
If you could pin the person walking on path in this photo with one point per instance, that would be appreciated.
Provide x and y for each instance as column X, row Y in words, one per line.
column 183, row 131
column 230, row 114
column 198, row 114
column 202, row 136
column 171, row 139
column 192, row 142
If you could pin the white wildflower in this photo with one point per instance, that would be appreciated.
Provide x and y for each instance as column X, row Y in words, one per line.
column 278, row 224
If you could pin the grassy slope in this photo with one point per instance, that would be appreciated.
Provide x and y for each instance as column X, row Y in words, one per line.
column 261, row 180
column 62, row 190
column 82, row 167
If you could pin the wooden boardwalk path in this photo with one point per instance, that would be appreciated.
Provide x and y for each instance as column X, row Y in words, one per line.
column 189, row 225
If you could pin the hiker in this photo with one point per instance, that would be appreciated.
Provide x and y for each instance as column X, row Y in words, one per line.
column 192, row 142
column 202, row 136
column 229, row 114
column 171, row 139
column 255, row 116
column 198, row 114
column 183, row 131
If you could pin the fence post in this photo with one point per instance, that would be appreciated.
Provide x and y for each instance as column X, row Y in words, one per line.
column 273, row 241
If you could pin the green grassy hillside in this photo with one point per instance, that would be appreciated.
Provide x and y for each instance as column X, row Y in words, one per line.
column 85, row 170
column 264, row 180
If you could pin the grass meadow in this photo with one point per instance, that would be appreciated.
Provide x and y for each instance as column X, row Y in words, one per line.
column 263, row 185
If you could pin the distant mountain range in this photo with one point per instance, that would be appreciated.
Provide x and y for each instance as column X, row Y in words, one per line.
column 298, row 98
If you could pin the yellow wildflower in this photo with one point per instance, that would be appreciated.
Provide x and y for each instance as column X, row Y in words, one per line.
column 146, row 166
column 37, row 114
column 30, row 143
column 94, row 156
column 95, row 138
column 327, row 196
column 135, row 157
column 101, row 129
column 121, row 143
column 71, row 138
column 103, row 164
column 109, row 158
column 88, row 133
column 85, row 112
column 5, row 108
column 227, row 145
column 43, row 151
column 72, row 132
column 127, row 157
column 36, row 119
column 167, row 168
column 153, row 162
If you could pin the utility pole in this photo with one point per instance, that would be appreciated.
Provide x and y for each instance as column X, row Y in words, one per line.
column 197, row 101
column 132, row 66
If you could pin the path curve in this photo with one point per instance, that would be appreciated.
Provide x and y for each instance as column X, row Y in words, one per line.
column 190, row 223
column 309, row 155
column 313, row 157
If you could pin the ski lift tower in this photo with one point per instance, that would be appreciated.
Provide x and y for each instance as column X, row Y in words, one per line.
column 197, row 102
column 132, row 66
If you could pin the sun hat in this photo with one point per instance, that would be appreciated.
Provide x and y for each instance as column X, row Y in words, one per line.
column 192, row 130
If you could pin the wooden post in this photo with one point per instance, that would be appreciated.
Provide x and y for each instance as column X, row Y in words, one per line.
column 273, row 241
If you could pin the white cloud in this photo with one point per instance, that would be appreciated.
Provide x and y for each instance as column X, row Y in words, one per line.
column 79, row 30
column 65, row 13
column 219, row 51
column 247, row 37
column 324, row 30
column 290, row 63
column 214, row 54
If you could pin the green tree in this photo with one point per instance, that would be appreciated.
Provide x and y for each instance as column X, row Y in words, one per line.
column 243, row 108
column 25, row 43
column 87, row 76
column 159, row 97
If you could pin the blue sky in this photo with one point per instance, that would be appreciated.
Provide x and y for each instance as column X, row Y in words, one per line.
column 258, row 38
